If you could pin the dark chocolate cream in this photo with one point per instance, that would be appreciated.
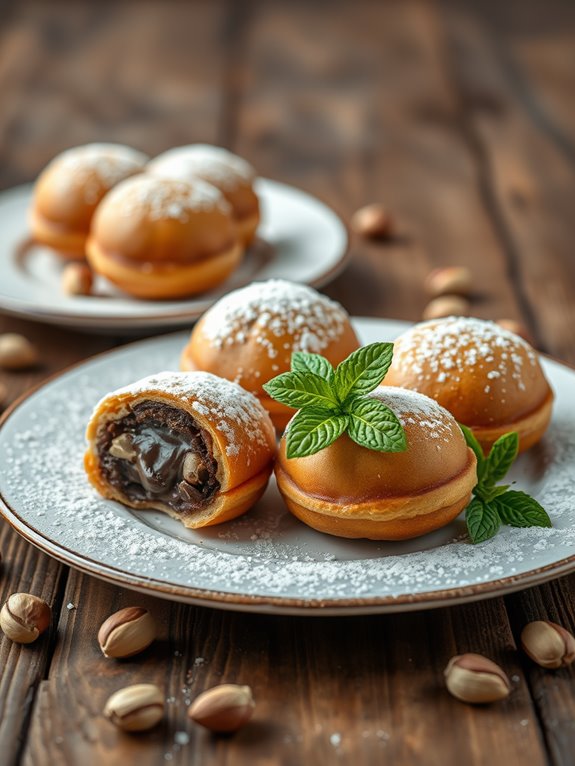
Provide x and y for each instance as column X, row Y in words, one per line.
column 159, row 453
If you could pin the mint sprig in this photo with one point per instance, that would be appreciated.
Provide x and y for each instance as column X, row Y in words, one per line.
column 332, row 402
column 493, row 505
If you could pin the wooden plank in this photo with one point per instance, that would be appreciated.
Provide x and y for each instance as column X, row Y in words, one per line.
column 515, row 71
column 363, row 108
column 24, row 569
column 327, row 690
column 529, row 180
column 553, row 690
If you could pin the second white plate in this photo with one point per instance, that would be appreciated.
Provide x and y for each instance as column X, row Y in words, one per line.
column 299, row 239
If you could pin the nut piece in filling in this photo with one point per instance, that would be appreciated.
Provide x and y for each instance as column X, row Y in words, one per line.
column 195, row 446
column 250, row 334
column 489, row 378
column 351, row 491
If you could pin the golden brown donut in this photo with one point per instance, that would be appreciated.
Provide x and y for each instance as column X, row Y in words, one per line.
column 351, row 491
column 489, row 378
column 190, row 444
column 156, row 238
column 250, row 334
column 71, row 187
column 232, row 175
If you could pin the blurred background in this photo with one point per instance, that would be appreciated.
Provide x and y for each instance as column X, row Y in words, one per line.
column 458, row 116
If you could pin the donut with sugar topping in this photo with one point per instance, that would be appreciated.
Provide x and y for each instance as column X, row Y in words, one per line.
column 157, row 238
column 70, row 188
column 250, row 334
column 192, row 445
column 350, row 491
column 231, row 174
column 489, row 378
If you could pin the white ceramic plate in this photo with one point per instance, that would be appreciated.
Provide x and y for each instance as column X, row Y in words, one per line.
column 266, row 560
column 299, row 239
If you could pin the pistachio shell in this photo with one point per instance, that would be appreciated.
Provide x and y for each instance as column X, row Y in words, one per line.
column 548, row 644
column 476, row 679
column 127, row 632
column 224, row 708
column 136, row 708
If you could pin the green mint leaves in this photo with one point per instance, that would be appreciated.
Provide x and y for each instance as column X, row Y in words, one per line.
column 493, row 505
column 332, row 402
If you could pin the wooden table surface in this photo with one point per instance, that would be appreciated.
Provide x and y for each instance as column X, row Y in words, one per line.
column 460, row 116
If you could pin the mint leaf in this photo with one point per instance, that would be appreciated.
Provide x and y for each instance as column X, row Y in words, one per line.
column 301, row 389
column 301, row 361
column 313, row 429
column 471, row 441
column 518, row 509
column 363, row 370
column 503, row 453
column 487, row 494
column 373, row 425
column 482, row 520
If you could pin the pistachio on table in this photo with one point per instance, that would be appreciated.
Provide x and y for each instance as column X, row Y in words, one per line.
column 474, row 678
column 127, row 632
column 548, row 644
column 224, row 708
column 24, row 617
column 451, row 280
column 373, row 221
column 136, row 708
column 17, row 352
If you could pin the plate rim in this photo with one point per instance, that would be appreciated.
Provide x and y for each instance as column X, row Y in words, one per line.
column 21, row 309
column 258, row 603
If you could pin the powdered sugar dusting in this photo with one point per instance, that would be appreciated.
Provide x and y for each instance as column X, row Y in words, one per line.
column 95, row 165
column 272, row 309
column 211, row 163
column 161, row 198
column 223, row 402
column 266, row 552
column 415, row 408
column 440, row 350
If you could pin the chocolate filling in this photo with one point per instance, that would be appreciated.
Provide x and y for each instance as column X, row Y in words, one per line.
column 158, row 453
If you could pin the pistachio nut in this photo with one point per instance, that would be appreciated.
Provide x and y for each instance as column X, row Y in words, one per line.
column 224, row 708
column 127, row 632
column 548, row 644
column 24, row 617
column 474, row 678
column 136, row 708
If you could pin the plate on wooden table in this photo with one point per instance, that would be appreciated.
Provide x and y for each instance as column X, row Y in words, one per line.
column 300, row 239
column 265, row 561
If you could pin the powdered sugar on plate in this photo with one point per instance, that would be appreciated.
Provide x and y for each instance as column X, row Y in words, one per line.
column 267, row 553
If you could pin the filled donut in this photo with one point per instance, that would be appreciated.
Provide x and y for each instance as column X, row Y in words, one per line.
column 489, row 378
column 195, row 446
column 70, row 188
column 232, row 175
column 250, row 334
column 351, row 491
column 156, row 238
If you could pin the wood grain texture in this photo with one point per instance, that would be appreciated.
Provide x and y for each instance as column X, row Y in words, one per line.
column 459, row 117
column 327, row 690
